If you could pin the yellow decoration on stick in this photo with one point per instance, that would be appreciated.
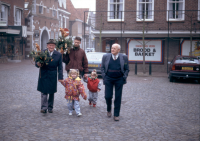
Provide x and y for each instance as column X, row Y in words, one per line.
column 37, row 47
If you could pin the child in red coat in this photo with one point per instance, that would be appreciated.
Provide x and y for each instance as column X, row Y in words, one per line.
column 73, row 88
column 94, row 86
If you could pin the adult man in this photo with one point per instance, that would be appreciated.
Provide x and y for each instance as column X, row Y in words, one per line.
column 115, row 69
column 76, row 59
column 47, row 81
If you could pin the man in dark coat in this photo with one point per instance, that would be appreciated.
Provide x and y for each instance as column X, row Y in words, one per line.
column 115, row 69
column 76, row 59
column 47, row 81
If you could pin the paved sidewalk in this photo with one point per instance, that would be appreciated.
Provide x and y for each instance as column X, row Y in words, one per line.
column 152, row 109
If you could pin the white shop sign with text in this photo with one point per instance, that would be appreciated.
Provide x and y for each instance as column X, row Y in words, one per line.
column 153, row 51
column 185, row 48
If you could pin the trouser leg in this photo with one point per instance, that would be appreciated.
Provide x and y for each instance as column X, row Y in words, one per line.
column 90, row 96
column 95, row 97
column 108, row 93
column 118, row 96
column 50, row 101
column 70, row 105
column 44, row 103
column 77, row 106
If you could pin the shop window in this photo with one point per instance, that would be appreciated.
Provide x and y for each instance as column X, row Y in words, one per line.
column 18, row 13
column 114, row 10
column 145, row 10
column 175, row 10
column 4, row 15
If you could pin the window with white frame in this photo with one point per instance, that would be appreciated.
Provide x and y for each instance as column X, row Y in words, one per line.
column 199, row 10
column 41, row 8
column 64, row 22
column 145, row 10
column 53, row 11
column 175, row 10
column 18, row 13
column 4, row 15
column 114, row 10
column 79, row 28
column 52, row 34
column 61, row 21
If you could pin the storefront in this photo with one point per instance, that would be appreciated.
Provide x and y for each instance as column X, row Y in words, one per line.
column 12, row 42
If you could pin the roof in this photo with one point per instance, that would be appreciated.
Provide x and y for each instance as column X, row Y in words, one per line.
column 76, row 13
column 81, row 11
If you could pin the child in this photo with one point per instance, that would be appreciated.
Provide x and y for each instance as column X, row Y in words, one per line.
column 94, row 86
column 73, row 88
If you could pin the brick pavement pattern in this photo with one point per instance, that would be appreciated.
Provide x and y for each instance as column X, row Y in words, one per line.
column 153, row 109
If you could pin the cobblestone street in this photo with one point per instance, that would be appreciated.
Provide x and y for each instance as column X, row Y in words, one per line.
column 153, row 109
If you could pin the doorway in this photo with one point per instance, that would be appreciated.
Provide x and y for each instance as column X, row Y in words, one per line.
column 44, row 40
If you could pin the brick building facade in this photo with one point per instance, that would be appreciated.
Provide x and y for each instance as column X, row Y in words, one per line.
column 13, row 31
column 125, row 21
column 44, row 20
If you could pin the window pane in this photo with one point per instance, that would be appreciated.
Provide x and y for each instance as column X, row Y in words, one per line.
column 116, row 0
column 112, row 7
column 141, row 10
column 179, row 10
column 149, row 12
column 176, row 0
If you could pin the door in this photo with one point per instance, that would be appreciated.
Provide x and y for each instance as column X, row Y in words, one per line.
column 44, row 40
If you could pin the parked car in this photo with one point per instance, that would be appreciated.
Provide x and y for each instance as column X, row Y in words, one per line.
column 90, row 49
column 94, row 61
column 187, row 67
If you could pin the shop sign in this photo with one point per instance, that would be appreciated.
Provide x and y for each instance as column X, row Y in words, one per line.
column 185, row 47
column 153, row 51
column 107, row 48
column 24, row 31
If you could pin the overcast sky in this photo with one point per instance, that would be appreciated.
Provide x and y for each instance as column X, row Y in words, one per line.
column 85, row 4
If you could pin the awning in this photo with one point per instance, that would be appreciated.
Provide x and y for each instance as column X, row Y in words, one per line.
column 9, row 31
column 13, row 31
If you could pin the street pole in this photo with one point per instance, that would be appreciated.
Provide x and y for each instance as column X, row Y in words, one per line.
column 121, row 29
column 191, row 38
column 143, row 45
column 84, row 33
column 168, row 43
column 100, row 33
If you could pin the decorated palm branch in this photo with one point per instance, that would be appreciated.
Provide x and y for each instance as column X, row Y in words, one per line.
column 63, row 44
column 38, row 56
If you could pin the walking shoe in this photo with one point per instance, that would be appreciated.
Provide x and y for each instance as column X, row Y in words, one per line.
column 43, row 111
column 109, row 114
column 50, row 111
column 79, row 115
column 116, row 118
column 94, row 105
column 70, row 114
column 90, row 103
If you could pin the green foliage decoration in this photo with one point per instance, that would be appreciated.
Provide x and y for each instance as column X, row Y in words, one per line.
column 41, row 57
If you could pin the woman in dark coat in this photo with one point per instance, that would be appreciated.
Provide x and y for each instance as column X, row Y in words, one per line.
column 47, row 81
